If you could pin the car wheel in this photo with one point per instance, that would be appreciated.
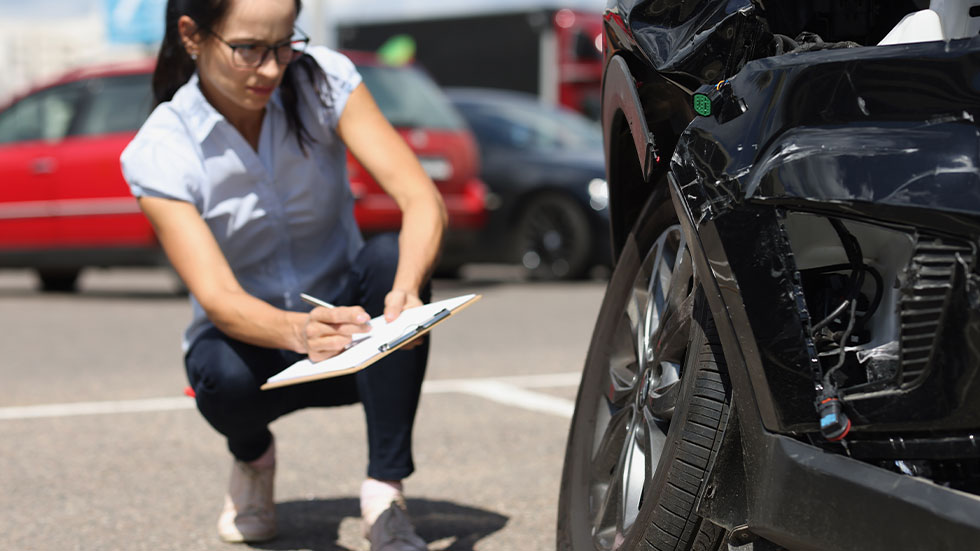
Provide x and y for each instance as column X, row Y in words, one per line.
column 553, row 238
column 652, row 407
column 58, row 280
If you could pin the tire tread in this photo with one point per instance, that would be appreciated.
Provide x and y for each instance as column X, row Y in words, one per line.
column 703, row 424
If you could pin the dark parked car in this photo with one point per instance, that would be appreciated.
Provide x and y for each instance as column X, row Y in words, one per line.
column 788, row 351
column 544, row 168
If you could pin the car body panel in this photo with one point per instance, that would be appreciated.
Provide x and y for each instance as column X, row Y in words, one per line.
column 92, row 204
column 25, row 201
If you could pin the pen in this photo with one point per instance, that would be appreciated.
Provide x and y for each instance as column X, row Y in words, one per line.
column 315, row 301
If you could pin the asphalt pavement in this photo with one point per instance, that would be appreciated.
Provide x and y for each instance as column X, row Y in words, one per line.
column 101, row 451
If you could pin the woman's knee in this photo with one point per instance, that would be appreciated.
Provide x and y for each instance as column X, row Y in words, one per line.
column 221, row 378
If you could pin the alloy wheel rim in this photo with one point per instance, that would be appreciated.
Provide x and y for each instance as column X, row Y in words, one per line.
column 643, row 372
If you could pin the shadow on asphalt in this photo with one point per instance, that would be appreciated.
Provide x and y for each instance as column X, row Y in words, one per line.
column 314, row 524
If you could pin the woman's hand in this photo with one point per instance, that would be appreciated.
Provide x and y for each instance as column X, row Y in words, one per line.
column 328, row 330
column 398, row 300
column 395, row 302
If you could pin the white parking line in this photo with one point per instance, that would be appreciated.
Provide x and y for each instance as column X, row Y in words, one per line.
column 95, row 408
column 512, row 395
column 510, row 391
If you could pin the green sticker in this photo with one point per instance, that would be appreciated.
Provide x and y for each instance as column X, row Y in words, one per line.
column 702, row 105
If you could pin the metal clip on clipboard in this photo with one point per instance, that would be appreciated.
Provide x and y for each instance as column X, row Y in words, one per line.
column 411, row 333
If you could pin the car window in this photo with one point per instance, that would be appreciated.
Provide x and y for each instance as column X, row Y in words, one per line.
column 44, row 115
column 490, row 130
column 409, row 99
column 529, row 125
column 116, row 104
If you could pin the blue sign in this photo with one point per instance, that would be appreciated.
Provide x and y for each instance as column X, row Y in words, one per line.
column 135, row 21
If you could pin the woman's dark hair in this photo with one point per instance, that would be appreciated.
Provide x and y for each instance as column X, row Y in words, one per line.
column 175, row 67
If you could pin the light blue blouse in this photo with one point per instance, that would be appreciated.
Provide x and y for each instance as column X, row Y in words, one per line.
column 283, row 220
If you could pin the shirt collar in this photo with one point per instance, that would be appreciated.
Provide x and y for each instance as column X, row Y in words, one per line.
column 199, row 115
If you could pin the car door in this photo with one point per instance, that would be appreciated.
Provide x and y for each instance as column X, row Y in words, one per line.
column 94, row 206
column 30, row 131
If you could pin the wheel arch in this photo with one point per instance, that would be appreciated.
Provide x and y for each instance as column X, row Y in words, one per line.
column 641, row 126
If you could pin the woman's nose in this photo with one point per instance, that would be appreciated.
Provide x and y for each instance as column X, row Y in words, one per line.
column 270, row 68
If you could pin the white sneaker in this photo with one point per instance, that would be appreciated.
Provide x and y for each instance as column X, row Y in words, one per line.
column 249, row 513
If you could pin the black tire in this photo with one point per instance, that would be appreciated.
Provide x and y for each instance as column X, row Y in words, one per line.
column 58, row 280
column 642, row 443
column 553, row 238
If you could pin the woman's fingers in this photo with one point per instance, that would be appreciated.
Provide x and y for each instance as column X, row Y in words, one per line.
column 342, row 316
column 394, row 304
column 329, row 330
column 397, row 301
column 327, row 347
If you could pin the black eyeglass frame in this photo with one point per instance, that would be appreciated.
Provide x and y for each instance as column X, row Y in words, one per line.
column 294, row 52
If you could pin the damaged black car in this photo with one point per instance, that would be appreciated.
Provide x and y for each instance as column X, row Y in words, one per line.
column 788, row 352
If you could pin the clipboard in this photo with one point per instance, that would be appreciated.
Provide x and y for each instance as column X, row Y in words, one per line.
column 368, row 348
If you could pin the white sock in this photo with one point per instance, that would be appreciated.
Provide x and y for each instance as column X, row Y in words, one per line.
column 377, row 496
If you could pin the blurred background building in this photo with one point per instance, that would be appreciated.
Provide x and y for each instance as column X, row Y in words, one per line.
column 42, row 38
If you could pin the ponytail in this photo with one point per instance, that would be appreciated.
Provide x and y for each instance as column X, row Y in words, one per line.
column 174, row 65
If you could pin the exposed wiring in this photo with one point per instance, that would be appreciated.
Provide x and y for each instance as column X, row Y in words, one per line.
column 875, row 300
column 824, row 322
column 842, row 352
column 854, row 256
column 834, row 422
column 856, row 280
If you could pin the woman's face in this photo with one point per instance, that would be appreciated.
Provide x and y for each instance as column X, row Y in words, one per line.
column 242, row 93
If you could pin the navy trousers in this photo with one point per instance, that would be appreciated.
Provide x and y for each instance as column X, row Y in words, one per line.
column 226, row 374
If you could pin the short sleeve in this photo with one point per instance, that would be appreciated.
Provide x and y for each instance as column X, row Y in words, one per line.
column 160, row 161
column 342, row 79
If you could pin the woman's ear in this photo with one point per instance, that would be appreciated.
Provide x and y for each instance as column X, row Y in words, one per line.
column 190, row 35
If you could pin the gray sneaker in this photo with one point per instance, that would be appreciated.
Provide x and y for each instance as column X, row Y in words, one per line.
column 393, row 531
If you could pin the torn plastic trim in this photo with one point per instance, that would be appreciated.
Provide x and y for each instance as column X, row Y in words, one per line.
column 619, row 95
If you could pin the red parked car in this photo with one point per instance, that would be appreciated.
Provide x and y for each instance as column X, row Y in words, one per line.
column 64, row 205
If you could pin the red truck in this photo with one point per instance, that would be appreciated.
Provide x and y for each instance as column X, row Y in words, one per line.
column 540, row 48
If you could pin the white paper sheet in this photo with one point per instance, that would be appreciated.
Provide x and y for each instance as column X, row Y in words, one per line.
column 365, row 346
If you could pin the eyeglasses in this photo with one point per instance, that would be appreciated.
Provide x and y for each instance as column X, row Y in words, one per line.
column 252, row 56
